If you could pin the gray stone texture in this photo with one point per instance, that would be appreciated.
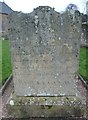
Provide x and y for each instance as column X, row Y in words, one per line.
column 45, row 52
column 26, row 107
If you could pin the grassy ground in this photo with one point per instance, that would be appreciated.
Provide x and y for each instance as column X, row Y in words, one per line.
column 83, row 64
column 0, row 63
column 5, row 62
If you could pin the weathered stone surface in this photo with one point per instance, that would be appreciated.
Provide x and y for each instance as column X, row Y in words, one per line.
column 25, row 107
column 45, row 55
column 45, row 52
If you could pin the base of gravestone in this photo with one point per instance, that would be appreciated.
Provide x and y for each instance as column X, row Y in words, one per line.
column 25, row 107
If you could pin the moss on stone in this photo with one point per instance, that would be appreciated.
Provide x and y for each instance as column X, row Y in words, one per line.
column 37, row 106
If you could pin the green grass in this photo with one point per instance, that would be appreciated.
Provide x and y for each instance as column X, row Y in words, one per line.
column 6, row 69
column 0, row 63
column 83, row 64
column 6, row 61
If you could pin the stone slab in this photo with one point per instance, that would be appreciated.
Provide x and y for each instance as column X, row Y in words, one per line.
column 25, row 107
column 45, row 52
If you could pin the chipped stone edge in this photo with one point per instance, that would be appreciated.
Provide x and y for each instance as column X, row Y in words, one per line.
column 5, row 84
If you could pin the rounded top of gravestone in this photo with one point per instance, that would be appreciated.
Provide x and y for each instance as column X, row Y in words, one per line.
column 44, row 8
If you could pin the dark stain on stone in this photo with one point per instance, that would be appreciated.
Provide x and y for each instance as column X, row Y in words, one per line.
column 50, row 106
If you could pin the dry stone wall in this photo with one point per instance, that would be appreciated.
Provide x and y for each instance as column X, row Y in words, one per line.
column 45, row 52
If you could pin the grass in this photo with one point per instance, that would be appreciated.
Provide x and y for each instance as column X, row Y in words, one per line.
column 6, row 69
column 6, row 61
column 0, row 63
column 83, row 64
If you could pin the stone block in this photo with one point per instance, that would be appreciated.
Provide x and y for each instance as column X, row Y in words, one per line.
column 45, row 49
column 27, row 107
column 45, row 52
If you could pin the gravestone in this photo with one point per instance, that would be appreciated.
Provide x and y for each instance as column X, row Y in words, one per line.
column 45, row 57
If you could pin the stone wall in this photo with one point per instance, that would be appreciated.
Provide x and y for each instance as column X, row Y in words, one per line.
column 45, row 52
column 3, row 25
column 84, row 35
